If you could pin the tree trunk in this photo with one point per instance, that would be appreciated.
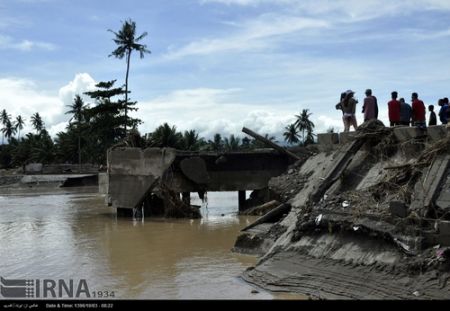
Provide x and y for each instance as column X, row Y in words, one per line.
column 126, row 89
column 79, row 153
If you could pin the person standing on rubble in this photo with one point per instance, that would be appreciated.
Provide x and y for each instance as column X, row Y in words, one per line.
column 443, row 111
column 339, row 104
column 370, row 107
column 405, row 112
column 432, row 120
column 418, row 111
column 394, row 109
column 348, row 109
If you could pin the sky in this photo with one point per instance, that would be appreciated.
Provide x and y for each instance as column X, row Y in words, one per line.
column 218, row 65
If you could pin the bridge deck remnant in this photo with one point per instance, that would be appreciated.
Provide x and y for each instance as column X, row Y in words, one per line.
column 133, row 172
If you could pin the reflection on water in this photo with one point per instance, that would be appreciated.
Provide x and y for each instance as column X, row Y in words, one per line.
column 74, row 236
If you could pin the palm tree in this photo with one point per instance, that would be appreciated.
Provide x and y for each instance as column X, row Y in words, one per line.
column 77, row 109
column 9, row 130
column 4, row 119
column 291, row 134
column 37, row 122
column 303, row 123
column 127, row 42
column 166, row 136
column 191, row 140
column 232, row 144
column 217, row 143
column 20, row 122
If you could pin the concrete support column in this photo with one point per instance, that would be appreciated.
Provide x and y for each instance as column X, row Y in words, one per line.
column 242, row 199
column 125, row 212
column 186, row 197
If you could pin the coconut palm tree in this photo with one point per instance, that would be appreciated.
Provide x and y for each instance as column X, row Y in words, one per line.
column 20, row 123
column 77, row 109
column 127, row 42
column 4, row 118
column 291, row 134
column 191, row 140
column 37, row 122
column 166, row 136
column 217, row 143
column 303, row 123
column 8, row 130
column 232, row 144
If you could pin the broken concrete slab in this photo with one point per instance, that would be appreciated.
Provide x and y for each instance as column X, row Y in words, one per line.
column 346, row 137
column 262, row 209
column 436, row 132
column 427, row 188
column 443, row 201
column 133, row 172
column 271, row 217
column 195, row 169
column 405, row 133
column 328, row 139
column 343, row 158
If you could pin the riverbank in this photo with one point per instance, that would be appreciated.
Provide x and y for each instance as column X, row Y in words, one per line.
column 369, row 220
column 19, row 184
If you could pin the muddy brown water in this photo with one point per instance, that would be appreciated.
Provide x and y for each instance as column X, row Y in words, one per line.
column 75, row 236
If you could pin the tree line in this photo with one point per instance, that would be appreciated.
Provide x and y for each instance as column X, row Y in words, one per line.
column 105, row 121
column 99, row 125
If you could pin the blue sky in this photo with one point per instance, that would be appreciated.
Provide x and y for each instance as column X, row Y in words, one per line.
column 219, row 65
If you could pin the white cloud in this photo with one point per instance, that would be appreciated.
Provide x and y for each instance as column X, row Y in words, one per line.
column 24, row 97
column 8, row 43
column 293, row 16
column 211, row 111
column 252, row 34
column 353, row 8
column 325, row 122
column 82, row 82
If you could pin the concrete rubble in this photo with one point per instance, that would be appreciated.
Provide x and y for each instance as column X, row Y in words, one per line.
column 369, row 219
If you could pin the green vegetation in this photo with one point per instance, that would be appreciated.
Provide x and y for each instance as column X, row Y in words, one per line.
column 102, row 122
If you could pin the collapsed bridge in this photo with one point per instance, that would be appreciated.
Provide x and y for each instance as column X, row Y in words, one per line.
column 133, row 173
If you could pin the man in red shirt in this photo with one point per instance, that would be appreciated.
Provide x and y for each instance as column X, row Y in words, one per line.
column 418, row 111
column 394, row 110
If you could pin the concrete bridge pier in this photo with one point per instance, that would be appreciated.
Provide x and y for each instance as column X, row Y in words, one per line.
column 124, row 212
column 186, row 197
column 241, row 200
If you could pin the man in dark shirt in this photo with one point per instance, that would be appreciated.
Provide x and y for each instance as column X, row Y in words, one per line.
column 405, row 112
column 418, row 111
column 443, row 112
column 432, row 120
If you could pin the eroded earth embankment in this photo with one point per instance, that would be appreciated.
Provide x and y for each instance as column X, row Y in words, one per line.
column 369, row 219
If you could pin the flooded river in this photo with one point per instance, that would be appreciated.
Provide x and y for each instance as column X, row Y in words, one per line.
column 75, row 236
